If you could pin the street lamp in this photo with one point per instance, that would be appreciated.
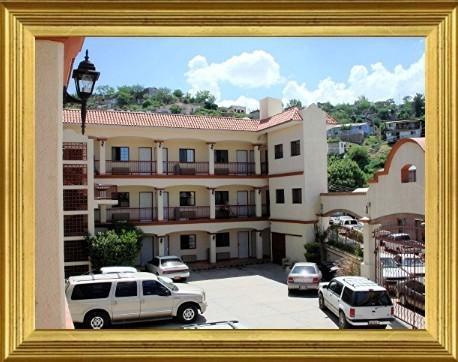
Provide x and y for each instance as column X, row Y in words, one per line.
column 85, row 77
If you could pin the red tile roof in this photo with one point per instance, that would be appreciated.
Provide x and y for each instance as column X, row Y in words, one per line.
column 144, row 119
column 330, row 119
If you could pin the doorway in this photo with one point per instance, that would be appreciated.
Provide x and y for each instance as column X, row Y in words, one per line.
column 278, row 247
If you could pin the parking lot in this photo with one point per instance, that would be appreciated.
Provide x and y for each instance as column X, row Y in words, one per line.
column 257, row 297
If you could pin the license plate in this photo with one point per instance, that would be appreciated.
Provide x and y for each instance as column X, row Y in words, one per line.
column 374, row 323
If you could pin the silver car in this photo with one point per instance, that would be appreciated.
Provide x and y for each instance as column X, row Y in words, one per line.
column 304, row 276
column 169, row 266
column 99, row 300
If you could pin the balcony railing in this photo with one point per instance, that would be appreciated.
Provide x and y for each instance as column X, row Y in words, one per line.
column 121, row 168
column 185, row 168
column 230, row 211
column 235, row 168
column 142, row 214
column 104, row 192
column 186, row 212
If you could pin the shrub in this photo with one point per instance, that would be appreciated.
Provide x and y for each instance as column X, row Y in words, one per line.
column 119, row 246
column 313, row 252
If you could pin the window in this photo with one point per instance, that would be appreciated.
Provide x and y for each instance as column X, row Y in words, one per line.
column 222, row 240
column 186, row 155
column 347, row 296
column 336, row 287
column 280, row 196
column 221, row 156
column 123, row 199
column 152, row 287
column 120, row 153
column 187, row 241
column 126, row 289
column 297, row 196
column 295, row 148
column 221, row 197
column 278, row 151
column 91, row 291
column 408, row 174
column 187, row 198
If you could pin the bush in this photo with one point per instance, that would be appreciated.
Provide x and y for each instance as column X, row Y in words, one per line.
column 119, row 246
column 313, row 252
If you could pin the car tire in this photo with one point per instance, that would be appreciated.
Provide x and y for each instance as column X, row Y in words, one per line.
column 343, row 324
column 187, row 313
column 98, row 319
column 321, row 302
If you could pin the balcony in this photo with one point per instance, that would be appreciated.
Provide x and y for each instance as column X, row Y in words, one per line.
column 235, row 168
column 105, row 192
column 235, row 211
column 185, row 168
column 127, row 168
column 136, row 215
column 186, row 212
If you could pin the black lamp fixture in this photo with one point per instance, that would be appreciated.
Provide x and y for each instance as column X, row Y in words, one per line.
column 85, row 77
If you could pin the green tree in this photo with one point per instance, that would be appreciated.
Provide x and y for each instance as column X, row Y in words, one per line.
column 105, row 91
column 117, row 247
column 204, row 97
column 344, row 173
column 360, row 155
column 178, row 93
column 418, row 104
column 294, row 103
column 175, row 109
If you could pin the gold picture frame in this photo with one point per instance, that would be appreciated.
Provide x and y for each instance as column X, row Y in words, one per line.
column 21, row 21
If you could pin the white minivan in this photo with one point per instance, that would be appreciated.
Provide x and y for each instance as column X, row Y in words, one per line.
column 102, row 299
column 357, row 301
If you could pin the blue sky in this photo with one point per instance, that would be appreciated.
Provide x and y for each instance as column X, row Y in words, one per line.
column 242, row 70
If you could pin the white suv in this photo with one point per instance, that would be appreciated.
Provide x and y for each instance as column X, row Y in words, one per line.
column 357, row 301
column 103, row 299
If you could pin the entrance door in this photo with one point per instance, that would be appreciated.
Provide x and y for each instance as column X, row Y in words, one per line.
column 244, row 244
column 278, row 247
column 146, row 206
column 145, row 158
column 165, row 160
column 242, row 202
column 165, row 195
column 242, row 162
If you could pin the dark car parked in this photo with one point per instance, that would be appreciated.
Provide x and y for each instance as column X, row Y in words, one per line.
column 411, row 293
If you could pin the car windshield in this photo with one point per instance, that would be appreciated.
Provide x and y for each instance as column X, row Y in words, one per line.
column 371, row 298
column 388, row 263
column 412, row 262
column 353, row 222
column 303, row 269
column 401, row 237
column 171, row 262
column 169, row 284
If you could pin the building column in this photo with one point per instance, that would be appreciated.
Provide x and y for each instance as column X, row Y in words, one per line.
column 211, row 158
column 259, row 252
column 212, row 240
column 102, row 156
column 161, row 244
column 160, row 204
column 103, row 214
column 257, row 159
column 159, row 163
column 368, row 264
column 211, row 196
column 258, row 202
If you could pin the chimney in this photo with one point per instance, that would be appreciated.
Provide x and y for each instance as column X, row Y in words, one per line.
column 269, row 106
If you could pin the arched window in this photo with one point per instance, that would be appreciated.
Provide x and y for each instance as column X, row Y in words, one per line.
column 409, row 174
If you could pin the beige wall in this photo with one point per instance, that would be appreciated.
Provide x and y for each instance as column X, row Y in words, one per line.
column 133, row 143
column 50, row 297
column 288, row 210
column 390, row 196
column 287, row 163
column 355, row 202
column 297, row 235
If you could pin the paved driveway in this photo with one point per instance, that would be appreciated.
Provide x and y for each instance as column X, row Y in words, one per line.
column 257, row 297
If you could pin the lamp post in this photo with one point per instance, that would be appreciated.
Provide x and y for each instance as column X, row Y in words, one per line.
column 85, row 77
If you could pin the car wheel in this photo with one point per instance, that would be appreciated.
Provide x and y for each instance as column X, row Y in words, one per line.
column 321, row 302
column 187, row 313
column 97, row 320
column 343, row 324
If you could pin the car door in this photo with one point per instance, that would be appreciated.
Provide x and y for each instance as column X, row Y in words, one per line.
column 126, row 301
column 157, row 300
column 334, row 292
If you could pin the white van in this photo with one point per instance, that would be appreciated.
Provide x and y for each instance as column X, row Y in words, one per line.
column 357, row 301
column 103, row 299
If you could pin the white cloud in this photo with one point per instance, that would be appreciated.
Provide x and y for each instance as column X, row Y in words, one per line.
column 248, row 70
column 250, row 103
column 377, row 83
